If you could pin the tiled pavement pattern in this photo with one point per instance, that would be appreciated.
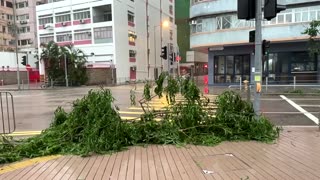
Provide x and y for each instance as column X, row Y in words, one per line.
column 294, row 156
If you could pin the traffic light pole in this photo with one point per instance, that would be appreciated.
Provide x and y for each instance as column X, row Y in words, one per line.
column 258, row 58
column 28, row 75
column 168, row 59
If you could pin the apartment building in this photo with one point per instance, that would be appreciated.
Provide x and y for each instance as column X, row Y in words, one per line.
column 6, row 22
column 216, row 30
column 125, row 35
column 26, row 24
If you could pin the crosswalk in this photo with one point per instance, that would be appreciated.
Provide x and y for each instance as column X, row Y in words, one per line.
column 132, row 113
column 135, row 112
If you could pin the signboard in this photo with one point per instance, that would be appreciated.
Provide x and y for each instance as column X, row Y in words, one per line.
column 178, row 58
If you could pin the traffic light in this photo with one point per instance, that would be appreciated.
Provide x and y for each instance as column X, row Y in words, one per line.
column 271, row 8
column 164, row 52
column 24, row 60
column 252, row 36
column 265, row 46
column 246, row 9
column 172, row 58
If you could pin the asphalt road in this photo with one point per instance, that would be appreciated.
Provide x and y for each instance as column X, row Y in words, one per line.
column 34, row 109
column 281, row 112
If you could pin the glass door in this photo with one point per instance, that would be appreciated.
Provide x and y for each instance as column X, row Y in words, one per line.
column 219, row 69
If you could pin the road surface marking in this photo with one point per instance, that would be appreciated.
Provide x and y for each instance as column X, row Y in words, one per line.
column 26, row 163
column 131, row 112
column 286, row 112
column 306, row 113
column 306, row 105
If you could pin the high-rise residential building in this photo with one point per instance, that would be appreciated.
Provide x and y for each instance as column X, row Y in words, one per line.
column 126, row 36
column 216, row 30
column 6, row 24
column 25, row 11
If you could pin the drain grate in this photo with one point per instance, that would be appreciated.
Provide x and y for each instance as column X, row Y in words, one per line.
column 220, row 162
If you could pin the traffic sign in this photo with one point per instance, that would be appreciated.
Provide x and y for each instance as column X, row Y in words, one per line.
column 178, row 58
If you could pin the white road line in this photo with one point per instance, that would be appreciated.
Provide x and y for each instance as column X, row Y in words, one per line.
column 306, row 105
column 306, row 113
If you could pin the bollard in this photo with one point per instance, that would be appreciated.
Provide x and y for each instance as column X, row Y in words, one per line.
column 247, row 89
column 240, row 84
column 267, row 81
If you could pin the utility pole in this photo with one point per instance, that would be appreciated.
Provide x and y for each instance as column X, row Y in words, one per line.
column 258, row 58
column 27, row 65
column 16, row 42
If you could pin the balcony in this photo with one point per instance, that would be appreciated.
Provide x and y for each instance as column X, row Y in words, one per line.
column 102, row 14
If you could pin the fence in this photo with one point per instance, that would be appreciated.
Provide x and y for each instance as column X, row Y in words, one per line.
column 8, row 121
column 285, row 84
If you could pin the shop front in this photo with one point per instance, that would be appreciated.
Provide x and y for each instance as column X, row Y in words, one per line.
column 283, row 64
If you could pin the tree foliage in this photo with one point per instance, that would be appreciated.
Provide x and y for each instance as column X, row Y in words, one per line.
column 313, row 31
column 53, row 55
column 95, row 126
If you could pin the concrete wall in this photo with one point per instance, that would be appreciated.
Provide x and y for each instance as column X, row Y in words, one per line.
column 10, row 77
column 100, row 76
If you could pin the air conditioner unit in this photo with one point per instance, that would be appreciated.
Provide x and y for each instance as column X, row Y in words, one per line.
column 82, row 21
column 48, row 26
column 63, row 23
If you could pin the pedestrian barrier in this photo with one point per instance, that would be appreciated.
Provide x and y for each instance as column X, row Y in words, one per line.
column 8, row 121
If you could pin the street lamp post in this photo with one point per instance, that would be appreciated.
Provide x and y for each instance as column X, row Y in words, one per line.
column 16, row 42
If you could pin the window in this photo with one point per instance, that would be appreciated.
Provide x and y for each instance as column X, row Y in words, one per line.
column 4, row 29
column 171, row 9
column 45, row 20
column 103, row 35
column 197, row 26
column 22, row 4
column 171, row 35
column 2, row 2
column 171, row 19
column 24, row 42
column 130, row 17
column 9, row 4
column 63, row 18
column 9, row 17
column 46, row 38
column 64, row 37
column 82, row 35
column 81, row 14
column 24, row 30
column 303, row 62
column 132, row 36
column 23, row 17
column 132, row 53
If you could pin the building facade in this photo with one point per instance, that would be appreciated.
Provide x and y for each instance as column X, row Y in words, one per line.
column 216, row 31
column 6, row 23
column 125, row 35
column 27, row 25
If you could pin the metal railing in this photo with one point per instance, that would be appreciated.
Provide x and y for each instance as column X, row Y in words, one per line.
column 283, row 83
column 8, row 121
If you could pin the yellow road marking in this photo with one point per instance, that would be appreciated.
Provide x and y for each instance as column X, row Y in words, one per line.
column 26, row 163
column 19, row 132
column 131, row 112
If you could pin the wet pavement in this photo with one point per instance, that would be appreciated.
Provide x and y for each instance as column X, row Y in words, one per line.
column 34, row 108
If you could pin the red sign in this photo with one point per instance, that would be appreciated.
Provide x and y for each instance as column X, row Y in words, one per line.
column 178, row 58
column 28, row 67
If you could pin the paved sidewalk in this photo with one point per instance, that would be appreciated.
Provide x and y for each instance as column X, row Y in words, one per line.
column 294, row 156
